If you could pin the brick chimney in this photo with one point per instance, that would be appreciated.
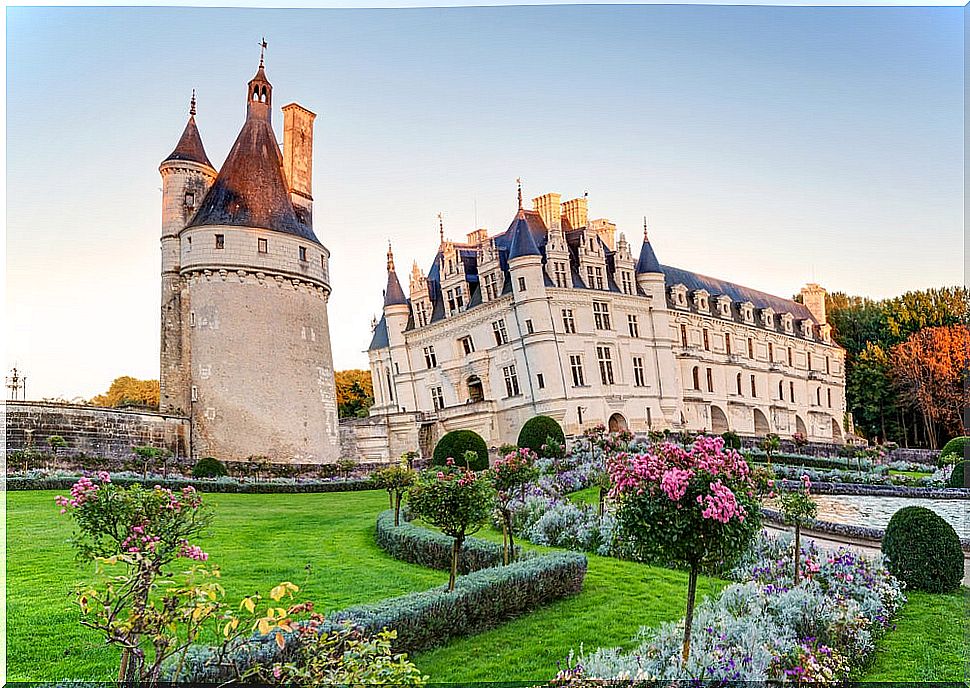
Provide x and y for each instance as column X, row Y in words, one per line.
column 549, row 209
column 813, row 296
column 298, row 157
column 606, row 231
column 575, row 212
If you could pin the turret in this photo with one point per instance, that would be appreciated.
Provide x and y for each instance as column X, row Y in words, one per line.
column 396, row 315
column 525, row 259
column 649, row 271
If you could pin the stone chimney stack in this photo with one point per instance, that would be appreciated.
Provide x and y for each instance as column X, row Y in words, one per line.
column 298, row 158
column 575, row 212
column 813, row 296
column 549, row 209
column 606, row 231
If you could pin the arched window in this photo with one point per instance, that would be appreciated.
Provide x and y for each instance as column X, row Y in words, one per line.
column 697, row 377
column 818, row 396
column 740, row 392
column 781, row 393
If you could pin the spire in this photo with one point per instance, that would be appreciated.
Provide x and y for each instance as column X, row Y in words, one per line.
column 648, row 259
column 189, row 147
column 518, row 182
column 259, row 95
column 441, row 228
column 393, row 294
column 390, row 258
column 645, row 236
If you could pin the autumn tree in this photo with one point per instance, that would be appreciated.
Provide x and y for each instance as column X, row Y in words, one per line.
column 930, row 372
column 355, row 393
column 129, row 391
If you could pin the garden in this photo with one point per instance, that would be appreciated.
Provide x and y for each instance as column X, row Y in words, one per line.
column 616, row 559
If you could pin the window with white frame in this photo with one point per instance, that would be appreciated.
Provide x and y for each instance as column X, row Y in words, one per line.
column 710, row 380
column 456, row 300
column 498, row 329
column 604, row 356
column 594, row 277
column 568, row 322
column 601, row 315
column 559, row 273
column 626, row 282
column 437, row 398
column 430, row 360
column 633, row 325
column 639, row 379
column 262, row 245
column 522, row 284
column 467, row 345
column 576, row 368
column 421, row 310
column 529, row 328
column 491, row 286
column 511, row 381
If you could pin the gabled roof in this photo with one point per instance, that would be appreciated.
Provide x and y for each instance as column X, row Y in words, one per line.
column 190, row 146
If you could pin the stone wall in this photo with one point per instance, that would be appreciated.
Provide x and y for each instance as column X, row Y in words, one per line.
column 90, row 430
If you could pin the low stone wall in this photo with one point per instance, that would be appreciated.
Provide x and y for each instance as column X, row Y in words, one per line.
column 90, row 430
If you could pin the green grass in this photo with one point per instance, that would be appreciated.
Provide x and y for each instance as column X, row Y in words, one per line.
column 929, row 643
column 911, row 474
column 260, row 540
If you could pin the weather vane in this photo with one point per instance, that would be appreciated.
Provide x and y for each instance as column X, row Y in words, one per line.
column 262, row 50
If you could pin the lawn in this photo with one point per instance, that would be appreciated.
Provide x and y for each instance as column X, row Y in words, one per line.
column 324, row 543
column 911, row 474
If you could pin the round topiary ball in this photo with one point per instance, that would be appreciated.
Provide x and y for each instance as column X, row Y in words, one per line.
column 923, row 550
column 454, row 445
column 731, row 440
column 209, row 467
column 960, row 477
column 535, row 431
column 954, row 450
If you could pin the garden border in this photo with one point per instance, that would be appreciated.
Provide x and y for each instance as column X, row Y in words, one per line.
column 224, row 486
column 867, row 490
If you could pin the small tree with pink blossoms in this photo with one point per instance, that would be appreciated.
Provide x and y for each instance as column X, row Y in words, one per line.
column 144, row 530
column 697, row 508
column 798, row 508
column 510, row 475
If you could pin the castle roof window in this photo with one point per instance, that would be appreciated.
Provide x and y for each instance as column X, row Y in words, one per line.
column 724, row 306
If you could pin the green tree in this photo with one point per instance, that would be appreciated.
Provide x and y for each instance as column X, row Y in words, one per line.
column 510, row 475
column 873, row 400
column 395, row 480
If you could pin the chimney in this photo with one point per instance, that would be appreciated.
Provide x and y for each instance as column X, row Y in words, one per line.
column 298, row 157
column 549, row 209
column 813, row 296
column 606, row 231
column 575, row 212
column 477, row 237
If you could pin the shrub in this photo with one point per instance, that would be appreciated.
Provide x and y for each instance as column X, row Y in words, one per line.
column 395, row 480
column 208, row 467
column 536, row 430
column 424, row 547
column 731, row 440
column 923, row 550
column 454, row 445
column 960, row 475
column 510, row 475
column 954, row 450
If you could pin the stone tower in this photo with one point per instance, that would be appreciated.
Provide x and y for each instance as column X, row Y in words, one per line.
column 254, row 368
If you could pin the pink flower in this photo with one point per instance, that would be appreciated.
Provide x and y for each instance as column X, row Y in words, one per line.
column 674, row 483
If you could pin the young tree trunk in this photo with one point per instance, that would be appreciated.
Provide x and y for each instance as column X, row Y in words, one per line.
column 390, row 499
column 455, row 549
column 507, row 526
column 689, row 618
column 505, row 539
column 602, row 508
column 397, row 510
column 798, row 534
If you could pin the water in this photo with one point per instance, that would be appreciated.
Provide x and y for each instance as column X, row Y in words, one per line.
column 875, row 512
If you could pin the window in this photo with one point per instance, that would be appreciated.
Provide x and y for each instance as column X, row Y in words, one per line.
column 754, row 387
column 522, row 284
column 303, row 253
column 710, row 380
column 191, row 318
column 605, row 358
column 568, row 323
column 422, row 313
column 626, row 282
column 491, row 287
column 262, row 246
column 220, row 241
column 501, row 336
column 390, row 384
column 594, row 277
column 195, row 393
column 430, row 360
column 437, row 398
column 809, row 360
column 559, row 272
column 576, row 367
column 696, row 377
column 631, row 321
column 750, row 348
column 541, row 380
column 649, row 419
column 791, row 392
column 456, row 300
column 189, row 245
column 818, row 396
column 771, row 353
column 397, row 369
column 601, row 315
column 683, row 336
column 189, row 199
column 511, row 381
column 827, row 367
column 707, row 340
column 727, row 344
column 740, row 391
column 789, row 356
column 528, row 327
column 828, row 393
column 639, row 380
column 323, row 262
column 467, row 345
column 781, row 390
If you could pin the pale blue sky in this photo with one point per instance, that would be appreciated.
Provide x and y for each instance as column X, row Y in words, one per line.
column 768, row 146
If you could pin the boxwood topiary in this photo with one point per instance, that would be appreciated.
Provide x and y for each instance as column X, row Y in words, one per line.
column 209, row 467
column 960, row 477
column 923, row 550
column 454, row 445
column 535, row 431
column 953, row 450
column 731, row 440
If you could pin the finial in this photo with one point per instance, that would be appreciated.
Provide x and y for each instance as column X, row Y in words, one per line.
column 390, row 257
column 262, row 50
column 192, row 104
column 518, row 182
column 441, row 228
column 645, row 238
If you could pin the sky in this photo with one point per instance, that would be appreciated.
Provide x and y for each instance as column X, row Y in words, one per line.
column 770, row 146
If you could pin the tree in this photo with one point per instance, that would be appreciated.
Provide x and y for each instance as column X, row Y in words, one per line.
column 126, row 390
column 694, row 507
column 396, row 480
column 355, row 393
column 770, row 444
column 149, row 455
column 56, row 443
column 798, row 508
column 455, row 500
column 873, row 399
column 930, row 372
column 510, row 475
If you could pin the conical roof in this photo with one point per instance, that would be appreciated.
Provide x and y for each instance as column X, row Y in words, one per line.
column 648, row 259
column 190, row 145
column 521, row 241
column 393, row 294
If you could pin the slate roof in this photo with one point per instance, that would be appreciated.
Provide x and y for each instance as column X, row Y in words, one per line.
column 379, row 340
column 190, row 146
column 521, row 242
column 394, row 294
column 648, row 259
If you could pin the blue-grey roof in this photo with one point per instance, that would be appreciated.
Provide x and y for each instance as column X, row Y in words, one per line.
column 379, row 340
column 648, row 259
column 521, row 242
column 394, row 294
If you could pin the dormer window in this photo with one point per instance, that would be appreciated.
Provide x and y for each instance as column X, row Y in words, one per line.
column 767, row 317
column 262, row 245
column 807, row 328
column 724, row 306
column 700, row 300
column 788, row 323
column 747, row 312
column 678, row 294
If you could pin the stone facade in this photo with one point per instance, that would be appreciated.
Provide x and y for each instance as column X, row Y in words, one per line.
column 557, row 316
column 93, row 431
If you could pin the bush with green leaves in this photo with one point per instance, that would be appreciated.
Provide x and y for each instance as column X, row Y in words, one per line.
column 731, row 440
column 395, row 480
column 425, row 547
column 537, row 430
column 923, row 550
column 510, row 475
column 222, row 485
column 954, row 450
column 209, row 467
column 798, row 509
column 960, row 474
column 455, row 444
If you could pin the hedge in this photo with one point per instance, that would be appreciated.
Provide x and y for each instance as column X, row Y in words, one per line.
column 424, row 547
column 956, row 446
column 923, row 550
column 18, row 483
column 537, row 429
column 960, row 475
column 209, row 467
column 454, row 444
column 867, row 490
column 423, row 620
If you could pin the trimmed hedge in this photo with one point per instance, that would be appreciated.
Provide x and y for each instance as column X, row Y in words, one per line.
column 454, row 445
column 923, row 550
column 425, row 547
column 535, row 431
column 957, row 446
column 18, row 483
column 209, row 467
column 423, row 620
column 960, row 477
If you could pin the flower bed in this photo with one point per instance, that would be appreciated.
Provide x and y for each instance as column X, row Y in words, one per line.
column 878, row 475
column 766, row 629
column 423, row 620
column 222, row 485
column 840, row 488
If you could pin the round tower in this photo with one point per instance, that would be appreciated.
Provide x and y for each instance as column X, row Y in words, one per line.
column 187, row 175
column 257, row 285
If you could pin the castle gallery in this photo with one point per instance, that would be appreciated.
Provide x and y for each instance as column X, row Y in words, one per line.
column 557, row 315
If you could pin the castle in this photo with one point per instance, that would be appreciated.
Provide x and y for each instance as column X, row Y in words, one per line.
column 557, row 316
column 245, row 339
